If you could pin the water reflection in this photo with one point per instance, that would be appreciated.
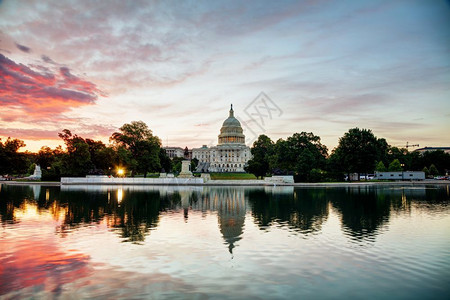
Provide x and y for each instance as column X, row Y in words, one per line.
column 223, row 242
column 134, row 211
column 303, row 210
column 231, row 212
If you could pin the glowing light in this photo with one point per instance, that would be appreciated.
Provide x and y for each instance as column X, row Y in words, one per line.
column 120, row 172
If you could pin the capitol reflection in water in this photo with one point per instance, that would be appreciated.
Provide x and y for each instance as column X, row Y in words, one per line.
column 207, row 232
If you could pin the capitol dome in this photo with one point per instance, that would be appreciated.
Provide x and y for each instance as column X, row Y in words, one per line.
column 231, row 131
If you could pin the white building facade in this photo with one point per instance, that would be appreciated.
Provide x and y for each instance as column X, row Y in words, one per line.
column 173, row 152
column 230, row 155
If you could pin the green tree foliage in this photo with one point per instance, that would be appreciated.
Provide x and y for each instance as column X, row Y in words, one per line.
column 396, row 153
column 425, row 170
column 317, row 175
column 176, row 164
column 82, row 157
column 359, row 150
column 45, row 157
column 298, row 155
column 395, row 166
column 194, row 164
column 125, row 158
column 105, row 160
column 261, row 151
column 433, row 170
column 12, row 161
column 439, row 158
column 102, row 157
column 51, row 162
column 77, row 160
column 380, row 167
column 166, row 162
column 144, row 147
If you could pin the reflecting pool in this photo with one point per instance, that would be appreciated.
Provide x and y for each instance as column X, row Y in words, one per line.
column 125, row 242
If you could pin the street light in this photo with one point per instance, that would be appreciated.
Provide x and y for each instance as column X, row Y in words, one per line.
column 120, row 172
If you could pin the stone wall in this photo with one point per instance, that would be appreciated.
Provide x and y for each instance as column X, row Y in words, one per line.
column 130, row 180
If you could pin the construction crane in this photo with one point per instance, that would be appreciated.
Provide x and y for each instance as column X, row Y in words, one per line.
column 408, row 145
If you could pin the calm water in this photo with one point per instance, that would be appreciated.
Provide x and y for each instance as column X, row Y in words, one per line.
column 224, row 242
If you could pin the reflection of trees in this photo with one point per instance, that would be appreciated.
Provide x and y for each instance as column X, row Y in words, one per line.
column 12, row 197
column 304, row 209
column 134, row 215
column 83, row 208
column 138, row 212
column 363, row 209
column 135, row 211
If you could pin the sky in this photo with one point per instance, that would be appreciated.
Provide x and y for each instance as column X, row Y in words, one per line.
column 286, row 66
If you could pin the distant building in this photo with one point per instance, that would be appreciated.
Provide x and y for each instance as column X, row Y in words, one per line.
column 399, row 175
column 173, row 152
column 230, row 155
column 422, row 150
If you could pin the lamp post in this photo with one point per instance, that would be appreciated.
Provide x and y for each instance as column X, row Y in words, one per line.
column 402, row 165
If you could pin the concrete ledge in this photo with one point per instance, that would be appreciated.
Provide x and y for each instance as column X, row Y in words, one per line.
column 131, row 181
column 280, row 179
column 199, row 182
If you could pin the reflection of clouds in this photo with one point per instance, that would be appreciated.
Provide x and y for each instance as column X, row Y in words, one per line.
column 40, row 263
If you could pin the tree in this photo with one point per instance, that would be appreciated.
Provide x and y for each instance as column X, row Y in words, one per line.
column 77, row 159
column 299, row 155
column 439, row 158
column 395, row 166
column 125, row 158
column 425, row 170
column 51, row 162
column 176, row 164
column 45, row 157
column 12, row 161
column 358, row 150
column 194, row 163
column 433, row 170
column 105, row 160
column 261, row 151
column 143, row 145
column 380, row 167
column 98, row 153
column 166, row 162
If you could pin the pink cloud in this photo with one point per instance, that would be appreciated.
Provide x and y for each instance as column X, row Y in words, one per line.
column 42, row 93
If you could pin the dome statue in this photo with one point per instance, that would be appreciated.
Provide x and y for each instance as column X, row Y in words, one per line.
column 231, row 131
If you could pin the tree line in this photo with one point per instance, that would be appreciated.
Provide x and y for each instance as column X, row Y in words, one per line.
column 135, row 149
column 359, row 151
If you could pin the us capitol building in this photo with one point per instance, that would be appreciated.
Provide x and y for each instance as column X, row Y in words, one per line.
column 230, row 155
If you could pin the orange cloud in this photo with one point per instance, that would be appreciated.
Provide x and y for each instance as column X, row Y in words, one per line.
column 43, row 93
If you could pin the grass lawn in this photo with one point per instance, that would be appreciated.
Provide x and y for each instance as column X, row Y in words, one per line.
column 232, row 176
